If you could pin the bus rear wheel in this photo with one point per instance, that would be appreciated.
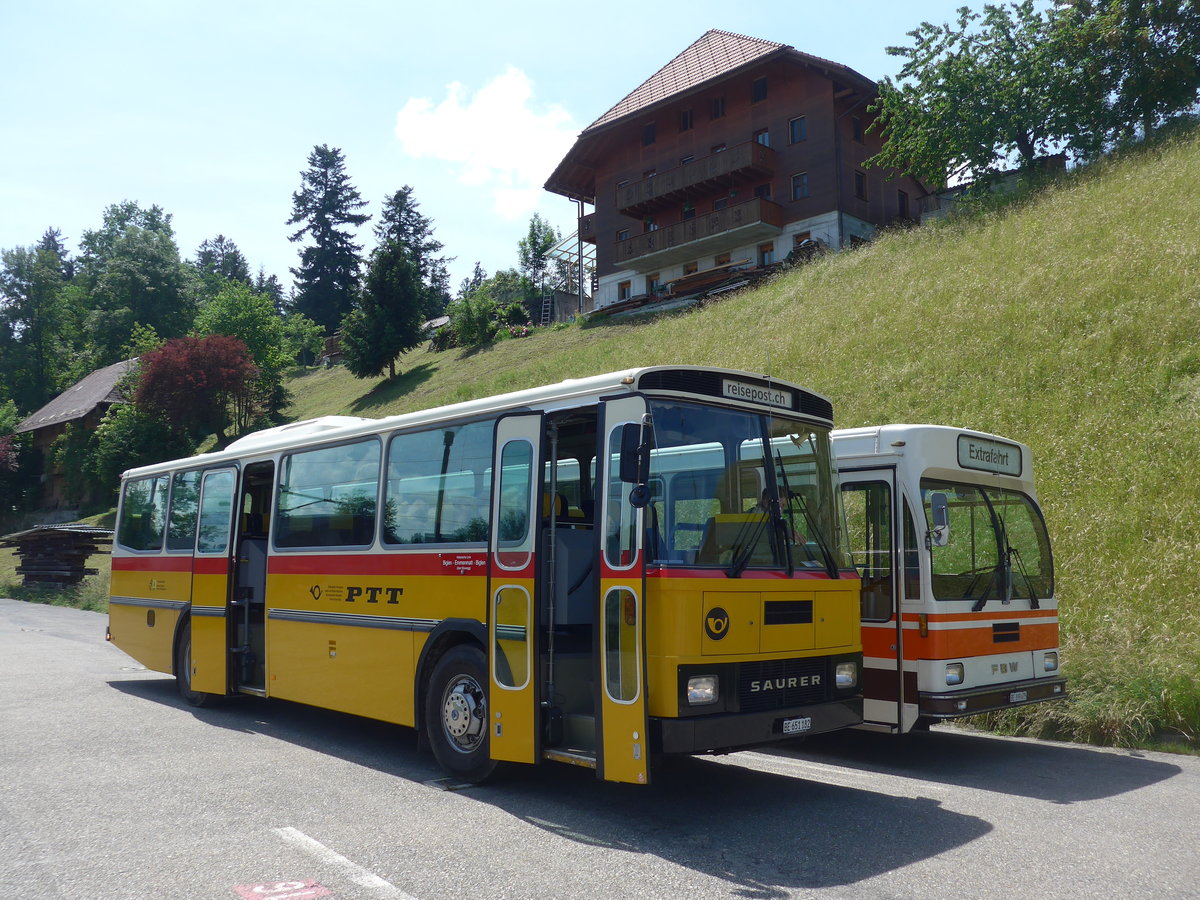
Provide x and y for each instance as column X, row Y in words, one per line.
column 456, row 714
column 183, row 670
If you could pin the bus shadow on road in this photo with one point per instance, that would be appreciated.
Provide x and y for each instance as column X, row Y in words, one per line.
column 1040, row 770
column 768, row 834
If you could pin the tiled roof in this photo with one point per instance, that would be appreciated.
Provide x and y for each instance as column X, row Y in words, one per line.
column 712, row 54
column 79, row 400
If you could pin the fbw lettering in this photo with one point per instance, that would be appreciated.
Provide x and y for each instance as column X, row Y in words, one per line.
column 1008, row 668
column 372, row 594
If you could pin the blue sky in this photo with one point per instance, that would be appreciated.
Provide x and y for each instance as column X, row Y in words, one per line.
column 209, row 110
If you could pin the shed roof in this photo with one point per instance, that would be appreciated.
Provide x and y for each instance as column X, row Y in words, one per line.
column 81, row 398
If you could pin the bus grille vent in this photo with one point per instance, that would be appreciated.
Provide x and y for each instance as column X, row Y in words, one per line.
column 780, row 683
column 1006, row 632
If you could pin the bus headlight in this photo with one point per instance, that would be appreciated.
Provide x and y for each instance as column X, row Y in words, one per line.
column 702, row 690
column 845, row 675
column 954, row 673
column 1050, row 661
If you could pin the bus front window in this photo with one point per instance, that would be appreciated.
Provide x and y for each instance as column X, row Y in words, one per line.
column 741, row 490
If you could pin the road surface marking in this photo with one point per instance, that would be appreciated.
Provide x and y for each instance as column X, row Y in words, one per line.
column 353, row 871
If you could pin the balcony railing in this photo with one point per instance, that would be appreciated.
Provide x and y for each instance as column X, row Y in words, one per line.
column 713, row 232
column 673, row 185
column 587, row 228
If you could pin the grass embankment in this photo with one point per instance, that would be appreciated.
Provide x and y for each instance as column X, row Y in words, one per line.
column 1069, row 322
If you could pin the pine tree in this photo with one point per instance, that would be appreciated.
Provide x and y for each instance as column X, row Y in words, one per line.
column 328, row 275
column 405, row 285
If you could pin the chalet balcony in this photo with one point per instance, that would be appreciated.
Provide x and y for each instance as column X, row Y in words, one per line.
column 712, row 233
column 587, row 228
column 694, row 178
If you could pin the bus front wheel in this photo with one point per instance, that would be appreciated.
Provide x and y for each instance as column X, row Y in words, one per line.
column 183, row 670
column 456, row 714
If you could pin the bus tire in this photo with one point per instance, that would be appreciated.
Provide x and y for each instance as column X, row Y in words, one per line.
column 183, row 669
column 456, row 714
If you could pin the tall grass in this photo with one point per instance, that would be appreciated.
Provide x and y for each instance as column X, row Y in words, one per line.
column 1070, row 322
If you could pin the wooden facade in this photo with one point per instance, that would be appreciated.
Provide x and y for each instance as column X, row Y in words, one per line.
column 734, row 128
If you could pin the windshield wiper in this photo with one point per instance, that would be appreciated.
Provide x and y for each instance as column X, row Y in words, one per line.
column 743, row 552
column 831, row 568
column 1014, row 553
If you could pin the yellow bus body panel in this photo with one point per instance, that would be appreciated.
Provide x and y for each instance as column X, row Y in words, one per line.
column 147, row 632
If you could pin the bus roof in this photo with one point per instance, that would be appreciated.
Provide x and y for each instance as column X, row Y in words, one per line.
column 940, row 449
column 749, row 389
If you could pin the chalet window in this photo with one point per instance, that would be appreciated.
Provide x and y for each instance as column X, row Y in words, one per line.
column 685, row 120
column 648, row 134
column 902, row 204
column 690, row 267
column 800, row 237
column 763, row 191
column 766, row 254
column 798, row 129
column 860, row 185
column 762, row 136
column 720, row 203
column 652, row 283
column 721, row 259
column 624, row 290
column 716, row 107
column 856, row 128
column 758, row 90
column 623, row 234
column 800, row 186
column 648, row 224
column 689, row 210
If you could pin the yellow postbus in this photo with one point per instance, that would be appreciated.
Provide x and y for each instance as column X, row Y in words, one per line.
column 597, row 572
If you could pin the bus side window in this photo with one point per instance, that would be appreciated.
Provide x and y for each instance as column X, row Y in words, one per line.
column 912, row 558
column 869, row 520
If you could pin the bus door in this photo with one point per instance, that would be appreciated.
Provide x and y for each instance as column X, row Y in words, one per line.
column 210, row 582
column 619, row 666
column 874, row 511
column 247, row 605
column 512, row 588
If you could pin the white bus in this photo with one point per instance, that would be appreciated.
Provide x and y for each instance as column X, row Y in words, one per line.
column 959, row 615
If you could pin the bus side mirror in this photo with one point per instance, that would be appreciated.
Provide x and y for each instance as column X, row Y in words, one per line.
column 940, row 535
column 635, row 463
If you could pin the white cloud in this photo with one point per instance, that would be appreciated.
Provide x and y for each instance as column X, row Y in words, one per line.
column 495, row 139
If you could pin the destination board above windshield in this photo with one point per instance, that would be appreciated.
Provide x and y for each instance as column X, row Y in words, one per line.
column 989, row 455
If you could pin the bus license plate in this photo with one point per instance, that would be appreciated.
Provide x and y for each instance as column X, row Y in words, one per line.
column 798, row 725
column 1018, row 696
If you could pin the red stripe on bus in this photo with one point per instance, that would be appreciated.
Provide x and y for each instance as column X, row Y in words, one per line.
column 152, row 564
column 380, row 564
column 211, row 565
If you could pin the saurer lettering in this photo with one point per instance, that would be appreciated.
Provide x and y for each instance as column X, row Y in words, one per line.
column 781, row 684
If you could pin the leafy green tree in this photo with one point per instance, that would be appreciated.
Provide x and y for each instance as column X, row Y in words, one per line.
column 17, row 479
column 302, row 338
column 405, row 282
column 478, row 277
column 328, row 275
column 972, row 96
column 39, row 320
column 132, row 274
column 1136, row 63
column 128, row 436
column 534, row 262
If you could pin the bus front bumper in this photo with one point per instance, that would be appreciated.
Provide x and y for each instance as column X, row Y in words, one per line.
column 953, row 704
column 725, row 733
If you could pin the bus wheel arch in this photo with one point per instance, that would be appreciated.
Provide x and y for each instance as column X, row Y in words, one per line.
column 182, row 659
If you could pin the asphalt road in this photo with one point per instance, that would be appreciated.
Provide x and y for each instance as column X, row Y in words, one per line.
column 111, row 787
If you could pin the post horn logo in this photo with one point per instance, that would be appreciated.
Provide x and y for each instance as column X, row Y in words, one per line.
column 716, row 623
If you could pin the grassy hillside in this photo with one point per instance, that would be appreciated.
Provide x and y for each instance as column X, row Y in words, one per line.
column 1071, row 323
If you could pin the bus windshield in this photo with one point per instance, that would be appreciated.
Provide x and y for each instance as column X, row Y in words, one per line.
column 738, row 490
column 996, row 548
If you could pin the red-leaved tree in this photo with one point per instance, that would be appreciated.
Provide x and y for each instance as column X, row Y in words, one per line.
column 200, row 385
